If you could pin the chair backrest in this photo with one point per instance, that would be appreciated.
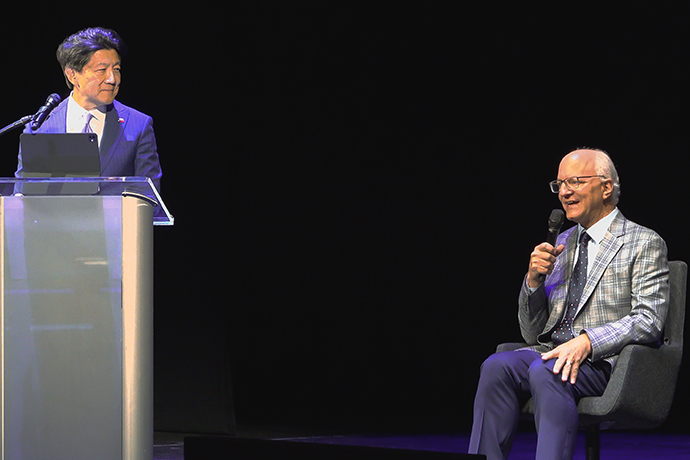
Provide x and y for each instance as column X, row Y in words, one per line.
column 678, row 279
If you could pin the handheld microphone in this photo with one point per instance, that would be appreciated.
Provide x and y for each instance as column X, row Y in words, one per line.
column 38, row 119
column 555, row 223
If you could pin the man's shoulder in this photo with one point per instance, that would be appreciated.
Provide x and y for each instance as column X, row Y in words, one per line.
column 632, row 229
column 123, row 110
column 635, row 238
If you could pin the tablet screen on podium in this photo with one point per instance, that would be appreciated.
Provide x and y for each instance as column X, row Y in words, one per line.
column 60, row 155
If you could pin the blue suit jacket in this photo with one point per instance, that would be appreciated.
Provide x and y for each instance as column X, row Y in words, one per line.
column 128, row 147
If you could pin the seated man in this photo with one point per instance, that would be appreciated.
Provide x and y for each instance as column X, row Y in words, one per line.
column 604, row 285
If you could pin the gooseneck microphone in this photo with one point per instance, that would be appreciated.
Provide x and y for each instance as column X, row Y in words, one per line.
column 555, row 223
column 38, row 119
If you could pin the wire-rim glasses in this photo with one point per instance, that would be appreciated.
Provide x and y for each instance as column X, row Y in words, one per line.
column 572, row 183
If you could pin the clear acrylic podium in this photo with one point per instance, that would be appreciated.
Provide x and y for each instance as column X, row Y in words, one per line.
column 76, row 313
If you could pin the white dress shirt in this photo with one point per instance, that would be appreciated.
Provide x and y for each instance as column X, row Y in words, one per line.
column 596, row 232
column 76, row 118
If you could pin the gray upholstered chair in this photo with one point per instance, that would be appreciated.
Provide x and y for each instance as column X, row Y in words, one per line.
column 642, row 384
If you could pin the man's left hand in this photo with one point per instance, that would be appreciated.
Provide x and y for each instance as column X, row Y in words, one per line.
column 569, row 356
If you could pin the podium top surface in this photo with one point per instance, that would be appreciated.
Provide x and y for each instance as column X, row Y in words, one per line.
column 140, row 187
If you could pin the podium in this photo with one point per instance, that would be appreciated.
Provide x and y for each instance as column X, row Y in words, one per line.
column 76, row 317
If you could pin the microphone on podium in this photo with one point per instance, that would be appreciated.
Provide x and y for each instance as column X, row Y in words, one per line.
column 38, row 119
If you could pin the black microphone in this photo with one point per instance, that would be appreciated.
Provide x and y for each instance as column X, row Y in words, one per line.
column 555, row 223
column 38, row 119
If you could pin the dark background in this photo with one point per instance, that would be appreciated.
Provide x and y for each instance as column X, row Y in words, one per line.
column 357, row 187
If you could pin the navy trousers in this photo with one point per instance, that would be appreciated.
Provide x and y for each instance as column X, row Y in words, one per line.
column 507, row 380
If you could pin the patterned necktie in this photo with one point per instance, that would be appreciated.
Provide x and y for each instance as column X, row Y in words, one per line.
column 577, row 284
column 87, row 125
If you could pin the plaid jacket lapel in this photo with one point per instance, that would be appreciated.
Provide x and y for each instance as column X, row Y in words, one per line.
column 560, row 282
column 609, row 247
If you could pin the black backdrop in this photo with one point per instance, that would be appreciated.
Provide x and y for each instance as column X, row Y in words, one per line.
column 357, row 188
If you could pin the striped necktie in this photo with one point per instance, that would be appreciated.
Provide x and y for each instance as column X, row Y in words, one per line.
column 87, row 124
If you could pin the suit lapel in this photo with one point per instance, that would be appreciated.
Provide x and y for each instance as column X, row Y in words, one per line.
column 115, row 120
column 561, row 285
column 609, row 247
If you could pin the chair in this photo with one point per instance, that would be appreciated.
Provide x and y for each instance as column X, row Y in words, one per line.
column 642, row 384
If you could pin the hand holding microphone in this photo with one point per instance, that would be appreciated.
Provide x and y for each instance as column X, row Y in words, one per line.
column 544, row 255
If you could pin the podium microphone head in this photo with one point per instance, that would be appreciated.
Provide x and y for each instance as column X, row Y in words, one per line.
column 51, row 102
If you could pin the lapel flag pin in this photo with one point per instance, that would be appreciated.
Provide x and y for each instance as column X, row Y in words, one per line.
column 120, row 120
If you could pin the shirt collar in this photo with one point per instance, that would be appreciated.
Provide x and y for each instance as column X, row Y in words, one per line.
column 75, row 108
column 598, row 231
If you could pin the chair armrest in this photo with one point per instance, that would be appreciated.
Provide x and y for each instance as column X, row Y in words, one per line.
column 640, row 391
column 510, row 346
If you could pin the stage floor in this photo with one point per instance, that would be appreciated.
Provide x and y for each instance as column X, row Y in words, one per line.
column 615, row 445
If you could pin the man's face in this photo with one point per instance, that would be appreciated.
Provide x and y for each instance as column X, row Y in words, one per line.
column 586, row 205
column 98, row 82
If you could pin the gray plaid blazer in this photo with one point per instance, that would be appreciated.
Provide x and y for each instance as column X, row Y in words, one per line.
column 625, row 299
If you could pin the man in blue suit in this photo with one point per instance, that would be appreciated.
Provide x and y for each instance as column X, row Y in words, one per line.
column 91, row 62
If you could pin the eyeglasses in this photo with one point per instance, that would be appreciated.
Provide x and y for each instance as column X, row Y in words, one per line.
column 572, row 183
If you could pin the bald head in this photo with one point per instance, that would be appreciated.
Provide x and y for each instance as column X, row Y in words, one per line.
column 602, row 165
column 592, row 194
column 584, row 155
